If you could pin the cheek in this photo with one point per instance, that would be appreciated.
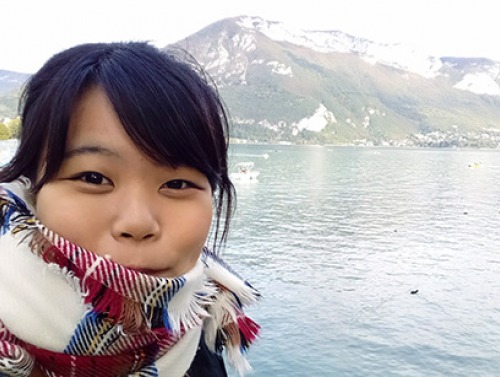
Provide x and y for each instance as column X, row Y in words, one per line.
column 46, row 207
column 196, row 222
column 201, row 222
column 207, row 216
column 63, row 215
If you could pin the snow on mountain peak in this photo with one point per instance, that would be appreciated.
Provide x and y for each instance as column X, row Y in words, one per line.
column 321, row 41
column 395, row 55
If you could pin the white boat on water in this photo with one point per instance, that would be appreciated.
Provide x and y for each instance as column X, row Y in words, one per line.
column 244, row 173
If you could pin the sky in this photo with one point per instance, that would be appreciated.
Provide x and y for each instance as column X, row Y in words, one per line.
column 33, row 30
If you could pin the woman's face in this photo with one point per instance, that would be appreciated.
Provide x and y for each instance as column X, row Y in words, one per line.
column 110, row 198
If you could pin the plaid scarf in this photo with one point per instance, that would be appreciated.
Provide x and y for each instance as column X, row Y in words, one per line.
column 72, row 312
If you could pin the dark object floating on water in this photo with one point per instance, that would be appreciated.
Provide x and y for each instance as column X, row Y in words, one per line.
column 466, row 213
column 414, row 292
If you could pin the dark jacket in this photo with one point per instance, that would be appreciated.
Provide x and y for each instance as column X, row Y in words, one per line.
column 207, row 363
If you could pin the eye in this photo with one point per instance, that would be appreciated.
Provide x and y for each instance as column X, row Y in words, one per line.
column 92, row 178
column 178, row 184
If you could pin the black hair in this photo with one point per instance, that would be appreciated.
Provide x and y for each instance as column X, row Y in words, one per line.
column 165, row 102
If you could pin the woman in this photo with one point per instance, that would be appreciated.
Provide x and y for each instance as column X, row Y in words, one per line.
column 105, row 212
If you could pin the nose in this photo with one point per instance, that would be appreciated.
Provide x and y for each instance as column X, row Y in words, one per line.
column 136, row 220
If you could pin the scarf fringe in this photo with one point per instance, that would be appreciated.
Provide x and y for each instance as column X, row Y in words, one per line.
column 219, row 271
column 15, row 361
column 196, row 312
column 227, row 320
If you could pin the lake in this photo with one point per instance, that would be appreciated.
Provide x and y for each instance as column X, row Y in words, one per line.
column 371, row 262
column 338, row 238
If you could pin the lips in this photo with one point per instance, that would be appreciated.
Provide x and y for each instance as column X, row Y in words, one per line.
column 146, row 271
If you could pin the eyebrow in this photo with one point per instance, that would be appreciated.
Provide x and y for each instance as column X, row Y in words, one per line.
column 90, row 149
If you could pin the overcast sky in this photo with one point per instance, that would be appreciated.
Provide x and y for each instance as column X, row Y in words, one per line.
column 33, row 30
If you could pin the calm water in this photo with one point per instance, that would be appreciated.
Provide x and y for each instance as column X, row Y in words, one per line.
column 336, row 239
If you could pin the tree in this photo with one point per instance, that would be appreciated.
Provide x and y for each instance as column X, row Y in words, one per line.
column 4, row 132
column 14, row 126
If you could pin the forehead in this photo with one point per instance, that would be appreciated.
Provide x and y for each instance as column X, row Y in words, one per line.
column 94, row 117
column 96, row 130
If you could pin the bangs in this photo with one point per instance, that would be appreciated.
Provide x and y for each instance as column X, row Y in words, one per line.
column 169, row 123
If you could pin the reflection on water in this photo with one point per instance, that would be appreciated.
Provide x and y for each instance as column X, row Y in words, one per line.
column 338, row 238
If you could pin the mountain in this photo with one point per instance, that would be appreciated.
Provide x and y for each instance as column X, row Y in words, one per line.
column 10, row 84
column 287, row 85
column 281, row 84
